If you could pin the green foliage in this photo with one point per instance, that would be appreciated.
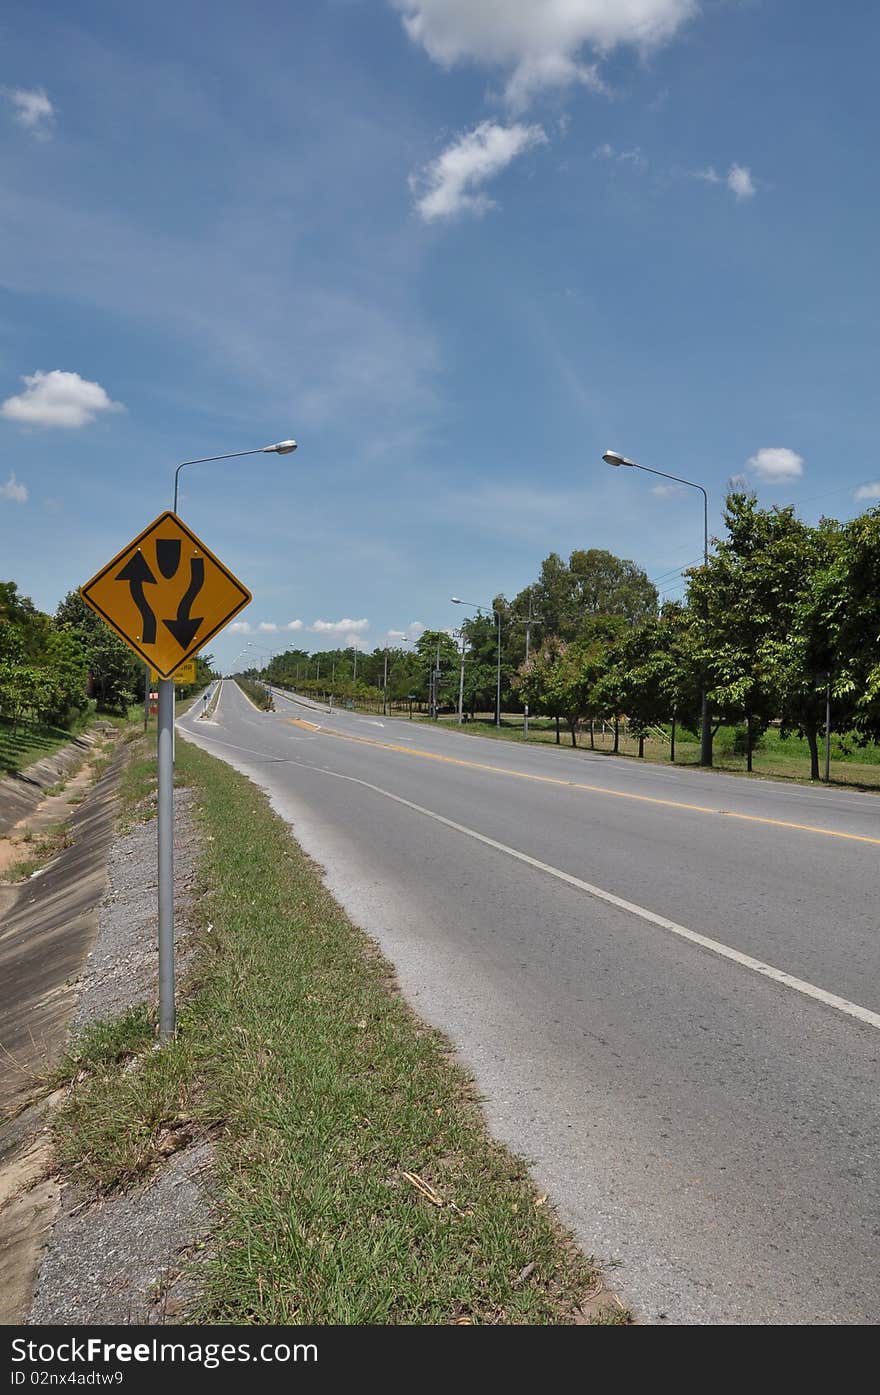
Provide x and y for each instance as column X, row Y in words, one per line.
column 116, row 676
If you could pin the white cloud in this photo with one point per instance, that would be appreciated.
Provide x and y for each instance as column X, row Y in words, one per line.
column 665, row 491
column 774, row 463
column 58, row 399
column 538, row 43
column 267, row 627
column 338, row 627
column 412, row 632
column 868, row 491
column 240, row 627
column 294, row 625
column 33, row 110
column 740, row 182
column 452, row 181
column 13, row 490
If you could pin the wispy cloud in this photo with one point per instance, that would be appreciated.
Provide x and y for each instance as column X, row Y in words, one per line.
column 738, row 180
column 633, row 157
column 294, row 625
column 665, row 491
column 32, row 109
column 13, row 490
column 453, row 183
column 868, row 491
column 58, row 399
column 267, row 627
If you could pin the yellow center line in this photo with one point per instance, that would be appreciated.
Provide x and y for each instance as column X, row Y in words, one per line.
column 590, row 789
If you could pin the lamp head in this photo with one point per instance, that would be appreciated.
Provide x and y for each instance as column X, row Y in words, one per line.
column 613, row 457
column 280, row 448
column 456, row 600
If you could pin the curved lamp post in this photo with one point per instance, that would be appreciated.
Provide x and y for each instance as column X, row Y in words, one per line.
column 165, row 793
column 280, row 448
column 613, row 457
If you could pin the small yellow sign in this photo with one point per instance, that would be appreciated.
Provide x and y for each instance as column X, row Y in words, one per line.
column 185, row 674
column 165, row 594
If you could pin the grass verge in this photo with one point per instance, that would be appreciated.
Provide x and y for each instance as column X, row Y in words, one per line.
column 357, row 1181
column 775, row 759
column 31, row 741
column 258, row 694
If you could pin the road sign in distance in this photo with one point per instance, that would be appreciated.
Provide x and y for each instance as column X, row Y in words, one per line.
column 185, row 674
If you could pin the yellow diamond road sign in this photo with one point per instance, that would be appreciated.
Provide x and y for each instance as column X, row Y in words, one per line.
column 165, row 594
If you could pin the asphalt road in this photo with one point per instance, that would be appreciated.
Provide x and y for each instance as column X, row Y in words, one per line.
column 666, row 983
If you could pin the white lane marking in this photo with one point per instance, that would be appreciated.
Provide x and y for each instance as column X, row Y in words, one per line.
column 745, row 961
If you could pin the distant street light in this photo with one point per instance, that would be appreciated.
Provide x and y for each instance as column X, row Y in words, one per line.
column 496, row 614
column 614, row 457
column 279, row 448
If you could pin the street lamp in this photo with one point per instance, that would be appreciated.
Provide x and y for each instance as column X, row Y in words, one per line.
column 456, row 600
column 614, row 457
column 279, row 448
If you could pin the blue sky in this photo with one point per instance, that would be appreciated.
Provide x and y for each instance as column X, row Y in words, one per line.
column 456, row 248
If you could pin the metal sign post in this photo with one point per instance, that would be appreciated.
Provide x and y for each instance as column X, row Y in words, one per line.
column 167, row 1012
column 148, row 594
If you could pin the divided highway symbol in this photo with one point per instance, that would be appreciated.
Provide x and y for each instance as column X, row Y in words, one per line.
column 150, row 589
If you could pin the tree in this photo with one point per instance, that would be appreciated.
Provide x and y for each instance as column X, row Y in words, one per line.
column 117, row 676
column 555, row 682
column 594, row 584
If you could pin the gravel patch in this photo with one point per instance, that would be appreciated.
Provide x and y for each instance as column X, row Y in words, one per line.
column 120, row 1259
column 122, row 967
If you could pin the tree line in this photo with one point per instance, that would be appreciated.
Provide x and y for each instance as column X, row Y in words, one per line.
column 55, row 668
column 784, row 616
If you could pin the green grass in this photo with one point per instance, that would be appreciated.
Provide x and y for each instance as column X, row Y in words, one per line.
column 31, row 742
column 257, row 693
column 104, row 1044
column 357, row 1182
column 774, row 759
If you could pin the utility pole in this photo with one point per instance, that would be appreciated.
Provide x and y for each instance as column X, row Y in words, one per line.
column 435, row 683
column 461, row 635
column 385, row 686
column 530, row 621
column 828, row 731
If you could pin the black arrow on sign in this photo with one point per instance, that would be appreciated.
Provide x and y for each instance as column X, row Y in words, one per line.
column 137, row 573
column 185, row 627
